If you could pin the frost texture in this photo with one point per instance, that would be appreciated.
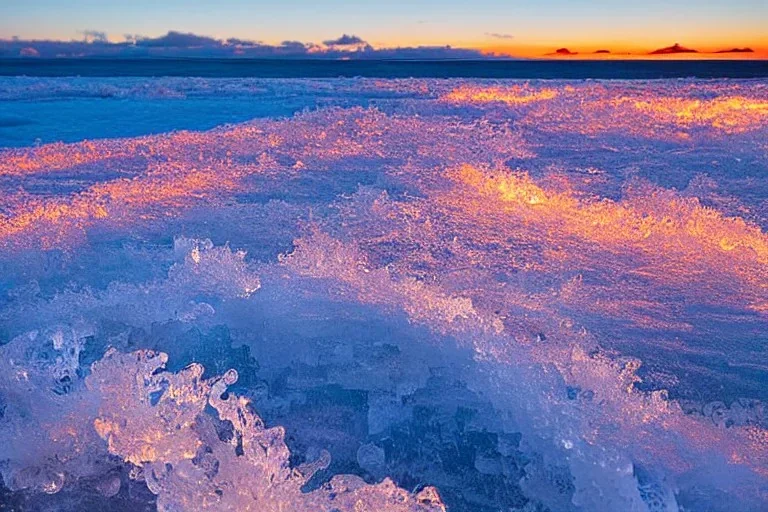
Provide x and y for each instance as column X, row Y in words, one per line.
column 44, row 423
column 536, row 296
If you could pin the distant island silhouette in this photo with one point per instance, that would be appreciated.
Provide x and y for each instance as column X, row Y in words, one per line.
column 667, row 50
column 675, row 48
column 737, row 50
column 563, row 51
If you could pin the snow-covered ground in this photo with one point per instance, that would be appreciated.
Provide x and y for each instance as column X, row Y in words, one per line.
column 383, row 295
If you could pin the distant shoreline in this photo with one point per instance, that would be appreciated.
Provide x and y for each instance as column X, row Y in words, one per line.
column 385, row 68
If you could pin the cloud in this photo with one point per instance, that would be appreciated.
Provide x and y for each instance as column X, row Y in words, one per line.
column 180, row 44
column 132, row 38
column 29, row 52
column 51, row 49
column 424, row 53
column 94, row 36
column 496, row 35
column 234, row 41
column 346, row 40
column 175, row 39
column 296, row 45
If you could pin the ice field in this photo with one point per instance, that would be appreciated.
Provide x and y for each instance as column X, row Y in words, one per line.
column 383, row 295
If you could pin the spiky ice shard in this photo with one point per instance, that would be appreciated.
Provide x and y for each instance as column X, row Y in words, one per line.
column 229, row 461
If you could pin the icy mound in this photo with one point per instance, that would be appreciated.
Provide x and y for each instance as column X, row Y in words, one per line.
column 476, row 295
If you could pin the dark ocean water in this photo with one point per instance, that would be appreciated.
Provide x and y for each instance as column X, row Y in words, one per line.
column 383, row 68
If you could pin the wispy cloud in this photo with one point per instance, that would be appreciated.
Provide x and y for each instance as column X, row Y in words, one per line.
column 497, row 35
column 94, row 36
column 242, row 42
column 346, row 40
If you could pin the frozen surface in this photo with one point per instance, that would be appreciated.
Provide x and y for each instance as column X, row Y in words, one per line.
column 404, row 295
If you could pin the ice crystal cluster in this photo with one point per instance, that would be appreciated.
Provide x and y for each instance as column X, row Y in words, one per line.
column 389, row 295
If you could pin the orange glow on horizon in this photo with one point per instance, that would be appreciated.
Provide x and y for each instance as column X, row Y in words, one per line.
column 589, row 51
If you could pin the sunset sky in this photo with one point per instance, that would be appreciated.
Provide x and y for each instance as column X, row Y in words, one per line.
column 509, row 26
